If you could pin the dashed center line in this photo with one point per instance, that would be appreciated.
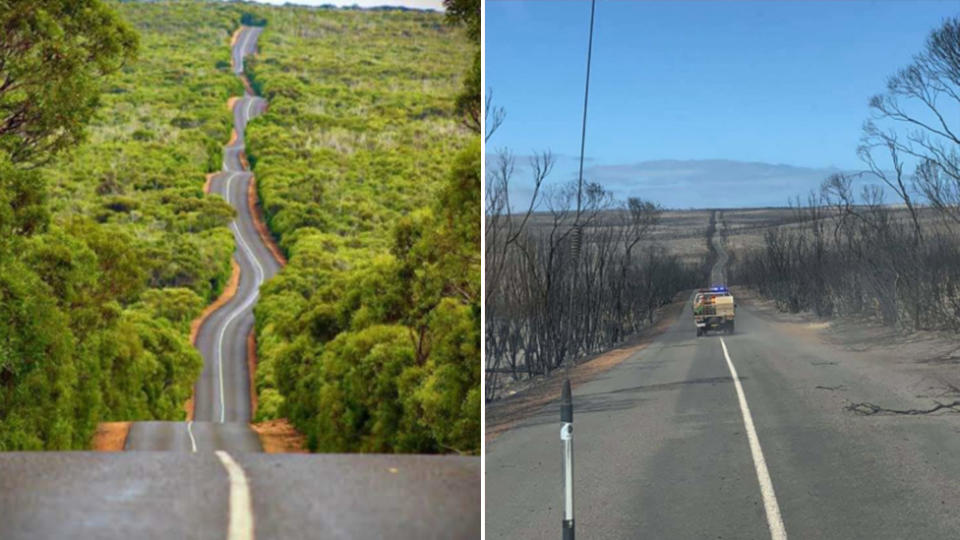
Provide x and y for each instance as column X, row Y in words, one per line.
column 241, row 508
column 774, row 521
column 193, row 442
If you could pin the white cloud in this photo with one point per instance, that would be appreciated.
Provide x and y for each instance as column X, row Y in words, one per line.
column 707, row 183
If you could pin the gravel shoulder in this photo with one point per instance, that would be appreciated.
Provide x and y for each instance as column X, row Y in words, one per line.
column 920, row 366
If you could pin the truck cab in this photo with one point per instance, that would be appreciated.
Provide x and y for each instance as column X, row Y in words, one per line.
column 713, row 309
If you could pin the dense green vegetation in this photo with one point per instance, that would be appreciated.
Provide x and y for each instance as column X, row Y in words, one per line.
column 369, row 176
column 368, row 167
column 109, row 248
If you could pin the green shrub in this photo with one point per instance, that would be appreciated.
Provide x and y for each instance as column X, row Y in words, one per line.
column 369, row 338
column 108, row 252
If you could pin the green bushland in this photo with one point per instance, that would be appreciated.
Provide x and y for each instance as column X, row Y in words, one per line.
column 369, row 340
column 108, row 246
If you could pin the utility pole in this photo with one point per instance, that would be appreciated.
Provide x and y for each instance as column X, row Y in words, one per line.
column 566, row 401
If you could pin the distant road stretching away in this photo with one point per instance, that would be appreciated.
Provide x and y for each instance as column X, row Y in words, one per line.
column 222, row 395
column 741, row 436
column 237, row 492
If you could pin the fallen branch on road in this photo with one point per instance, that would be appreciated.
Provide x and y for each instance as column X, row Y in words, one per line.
column 869, row 409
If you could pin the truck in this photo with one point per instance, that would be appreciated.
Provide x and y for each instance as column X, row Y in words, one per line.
column 713, row 309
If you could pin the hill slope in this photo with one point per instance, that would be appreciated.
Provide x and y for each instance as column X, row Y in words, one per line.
column 369, row 338
column 121, row 249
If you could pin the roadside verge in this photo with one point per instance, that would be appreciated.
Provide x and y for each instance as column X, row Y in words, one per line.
column 110, row 436
column 279, row 437
column 504, row 414
column 229, row 290
column 253, row 201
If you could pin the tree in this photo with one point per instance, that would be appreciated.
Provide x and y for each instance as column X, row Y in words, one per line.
column 23, row 210
column 52, row 54
column 494, row 116
column 916, row 119
column 467, row 12
column 369, row 340
column 504, row 228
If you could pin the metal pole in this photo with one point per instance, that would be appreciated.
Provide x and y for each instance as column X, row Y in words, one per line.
column 586, row 96
column 566, row 435
column 566, row 400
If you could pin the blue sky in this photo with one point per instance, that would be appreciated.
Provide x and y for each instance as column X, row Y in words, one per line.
column 713, row 89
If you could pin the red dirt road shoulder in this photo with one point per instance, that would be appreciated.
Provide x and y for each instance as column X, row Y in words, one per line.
column 279, row 436
column 261, row 226
column 252, row 370
column 110, row 436
column 228, row 292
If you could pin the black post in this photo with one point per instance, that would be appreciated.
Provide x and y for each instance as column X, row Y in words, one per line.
column 566, row 435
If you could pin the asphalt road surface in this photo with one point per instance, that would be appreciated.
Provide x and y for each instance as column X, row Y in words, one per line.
column 222, row 395
column 172, row 495
column 718, row 274
column 665, row 448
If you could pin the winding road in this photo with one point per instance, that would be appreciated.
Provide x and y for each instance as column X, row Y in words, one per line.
column 208, row 478
column 746, row 436
column 718, row 274
column 222, row 395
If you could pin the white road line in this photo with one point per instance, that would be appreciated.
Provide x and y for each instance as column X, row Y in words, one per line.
column 222, row 331
column 243, row 246
column 243, row 46
column 193, row 442
column 236, row 312
column 250, row 101
column 241, row 509
column 250, row 254
column 238, row 52
column 774, row 521
column 237, row 56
